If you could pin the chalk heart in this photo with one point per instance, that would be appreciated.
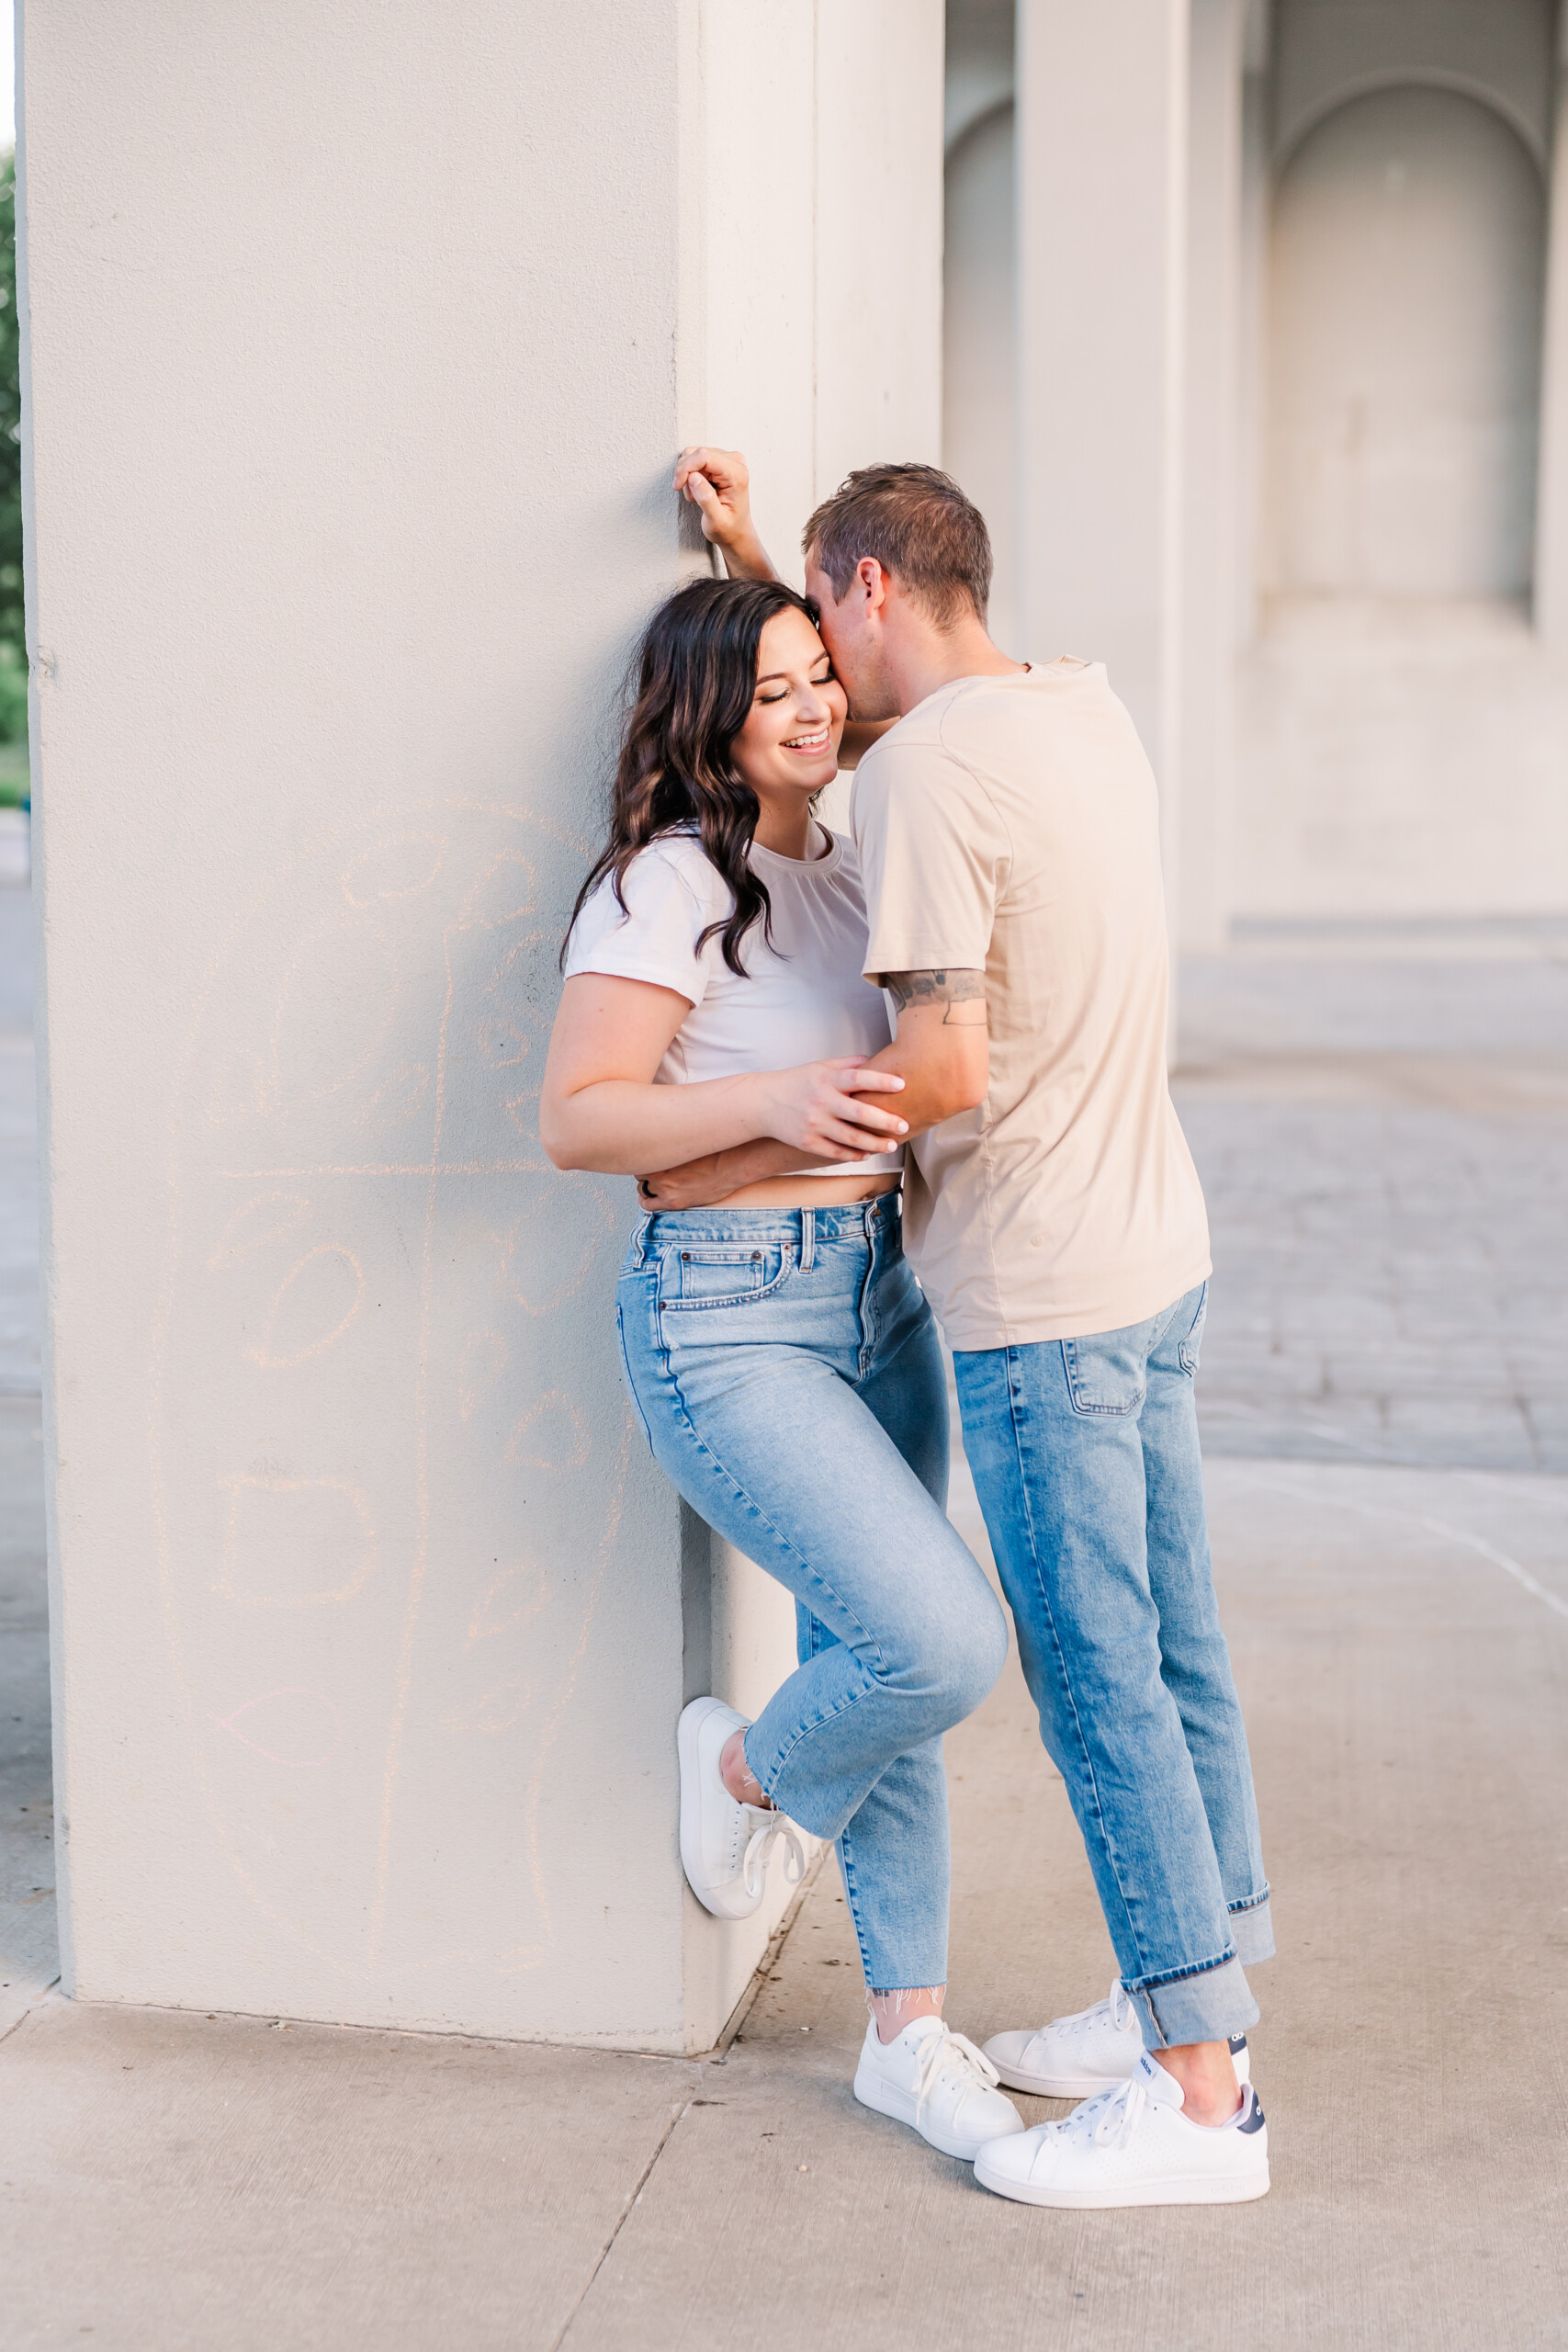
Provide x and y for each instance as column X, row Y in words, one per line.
column 506, row 890
column 295, row 1543
column 313, row 1307
column 269, row 1218
column 552, row 1435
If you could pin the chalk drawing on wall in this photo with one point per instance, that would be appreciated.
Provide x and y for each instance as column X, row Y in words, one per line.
column 390, row 1514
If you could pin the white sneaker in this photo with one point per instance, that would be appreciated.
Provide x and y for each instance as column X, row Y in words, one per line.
column 1133, row 2146
column 1092, row 2050
column 935, row 2080
column 725, row 1846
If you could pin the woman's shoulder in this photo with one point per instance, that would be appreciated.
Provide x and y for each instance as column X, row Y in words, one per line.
column 681, row 855
column 668, row 886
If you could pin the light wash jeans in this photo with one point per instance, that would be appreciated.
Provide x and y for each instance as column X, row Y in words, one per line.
column 1085, row 1458
column 787, row 1373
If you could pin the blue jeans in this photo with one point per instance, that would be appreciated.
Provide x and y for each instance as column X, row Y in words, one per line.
column 1086, row 1459
column 788, row 1375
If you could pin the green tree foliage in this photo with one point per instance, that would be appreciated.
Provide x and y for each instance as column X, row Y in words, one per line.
column 13, row 635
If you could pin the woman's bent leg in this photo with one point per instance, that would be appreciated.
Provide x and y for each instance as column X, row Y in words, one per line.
column 753, row 1410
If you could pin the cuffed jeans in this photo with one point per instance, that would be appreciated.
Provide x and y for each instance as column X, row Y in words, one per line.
column 788, row 1376
column 1086, row 1459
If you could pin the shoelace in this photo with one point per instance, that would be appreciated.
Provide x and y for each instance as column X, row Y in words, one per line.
column 1118, row 2002
column 1110, row 2115
column 771, row 1827
column 935, row 2053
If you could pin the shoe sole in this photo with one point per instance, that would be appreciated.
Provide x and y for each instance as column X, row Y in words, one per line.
column 1235, row 2190
column 1072, row 2086
column 898, row 2107
column 1056, row 2086
column 692, row 1720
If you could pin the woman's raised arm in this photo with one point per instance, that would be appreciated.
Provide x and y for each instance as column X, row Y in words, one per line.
column 718, row 483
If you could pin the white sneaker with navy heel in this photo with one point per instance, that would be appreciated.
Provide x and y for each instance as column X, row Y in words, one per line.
column 1133, row 2145
column 1092, row 2050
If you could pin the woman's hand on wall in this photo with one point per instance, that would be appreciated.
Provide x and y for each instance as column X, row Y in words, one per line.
column 718, row 483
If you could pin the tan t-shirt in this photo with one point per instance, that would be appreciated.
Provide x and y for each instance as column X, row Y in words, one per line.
column 1011, row 825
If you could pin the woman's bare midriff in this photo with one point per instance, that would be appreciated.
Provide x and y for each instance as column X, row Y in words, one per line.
column 812, row 1192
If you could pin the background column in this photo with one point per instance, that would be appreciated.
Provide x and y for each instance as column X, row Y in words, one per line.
column 1101, row 162
column 1213, row 438
column 1551, row 506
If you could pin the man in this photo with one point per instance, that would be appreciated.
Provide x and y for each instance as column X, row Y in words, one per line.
column 1008, row 832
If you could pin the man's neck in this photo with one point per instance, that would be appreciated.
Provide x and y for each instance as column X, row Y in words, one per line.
column 933, row 658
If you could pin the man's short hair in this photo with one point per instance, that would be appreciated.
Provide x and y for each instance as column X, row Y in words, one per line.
column 919, row 525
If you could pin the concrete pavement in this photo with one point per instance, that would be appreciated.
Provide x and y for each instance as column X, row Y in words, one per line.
column 1398, row 1609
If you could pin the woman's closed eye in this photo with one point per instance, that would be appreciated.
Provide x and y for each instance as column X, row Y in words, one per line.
column 825, row 680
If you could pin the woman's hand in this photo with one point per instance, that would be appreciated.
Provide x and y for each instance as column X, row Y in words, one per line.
column 820, row 1108
column 718, row 485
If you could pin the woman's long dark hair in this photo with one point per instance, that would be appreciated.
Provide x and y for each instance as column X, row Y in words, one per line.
column 695, row 675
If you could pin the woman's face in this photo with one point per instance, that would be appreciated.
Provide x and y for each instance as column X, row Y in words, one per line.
column 790, row 741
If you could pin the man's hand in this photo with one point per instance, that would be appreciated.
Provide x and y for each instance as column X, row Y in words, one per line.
column 702, row 1184
column 718, row 485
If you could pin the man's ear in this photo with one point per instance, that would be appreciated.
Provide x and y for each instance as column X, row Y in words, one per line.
column 872, row 582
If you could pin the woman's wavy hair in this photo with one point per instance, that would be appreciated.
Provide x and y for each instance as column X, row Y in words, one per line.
column 690, row 688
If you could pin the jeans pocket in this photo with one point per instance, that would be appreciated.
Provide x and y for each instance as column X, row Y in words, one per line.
column 714, row 1273
column 1109, row 1371
column 1187, row 1351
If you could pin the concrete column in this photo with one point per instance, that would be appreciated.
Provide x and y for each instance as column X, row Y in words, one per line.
column 1213, row 270
column 1552, row 504
column 1252, row 307
column 1102, row 149
column 358, row 344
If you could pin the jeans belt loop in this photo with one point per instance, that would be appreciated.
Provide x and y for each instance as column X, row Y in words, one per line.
column 639, row 1239
column 808, row 1239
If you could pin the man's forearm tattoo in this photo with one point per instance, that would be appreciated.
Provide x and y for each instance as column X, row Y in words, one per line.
column 963, row 993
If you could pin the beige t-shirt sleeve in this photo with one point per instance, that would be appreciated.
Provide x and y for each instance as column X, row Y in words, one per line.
column 933, row 856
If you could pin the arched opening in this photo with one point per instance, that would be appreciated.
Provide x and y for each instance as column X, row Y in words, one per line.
column 1406, row 300
column 978, row 358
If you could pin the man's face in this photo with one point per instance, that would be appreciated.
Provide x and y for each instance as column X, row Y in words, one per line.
column 853, row 637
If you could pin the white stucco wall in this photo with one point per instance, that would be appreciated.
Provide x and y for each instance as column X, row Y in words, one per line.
column 358, row 345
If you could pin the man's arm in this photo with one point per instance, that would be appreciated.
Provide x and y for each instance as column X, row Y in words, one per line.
column 941, row 1052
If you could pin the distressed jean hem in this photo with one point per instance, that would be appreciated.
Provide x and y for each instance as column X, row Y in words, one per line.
column 1211, row 2003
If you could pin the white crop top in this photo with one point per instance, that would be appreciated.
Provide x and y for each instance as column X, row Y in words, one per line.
column 803, row 998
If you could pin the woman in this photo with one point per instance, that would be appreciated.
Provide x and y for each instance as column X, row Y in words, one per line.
column 782, row 1360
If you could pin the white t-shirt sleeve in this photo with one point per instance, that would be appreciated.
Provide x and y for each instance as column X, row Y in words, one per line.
column 671, row 895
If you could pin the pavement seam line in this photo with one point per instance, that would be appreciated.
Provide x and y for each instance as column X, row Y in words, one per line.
column 628, row 2209
column 1433, row 1526
column 32, row 2007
